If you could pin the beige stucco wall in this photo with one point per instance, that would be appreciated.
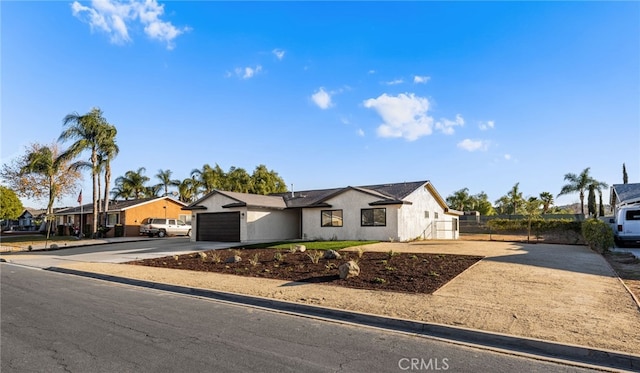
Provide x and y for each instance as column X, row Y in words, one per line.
column 350, row 202
column 413, row 223
column 263, row 224
column 255, row 223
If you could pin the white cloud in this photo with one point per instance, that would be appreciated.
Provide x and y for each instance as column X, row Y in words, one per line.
column 473, row 145
column 486, row 125
column 279, row 53
column 417, row 79
column 507, row 156
column 404, row 115
column 360, row 132
column 447, row 126
column 394, row 82
column 322, row 98
column 370, row 72
column 247, row 72
column 114, row 18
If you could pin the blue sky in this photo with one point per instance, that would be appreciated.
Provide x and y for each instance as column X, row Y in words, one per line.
column 331, row 94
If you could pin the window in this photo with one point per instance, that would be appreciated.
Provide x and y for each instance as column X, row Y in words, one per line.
column 435, row 215
column 373, row 217
column 633, row 215
column 331, row 218
column 426, row 214
column 454, row 222
column 185, row 218
column 113, row 219
column 172, row 222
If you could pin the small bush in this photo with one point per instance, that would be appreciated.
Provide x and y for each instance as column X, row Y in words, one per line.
column 215, row 257
column 597, row 234
column 255, row 260
column 278, row 256
column 315, row 256
column 379, row 280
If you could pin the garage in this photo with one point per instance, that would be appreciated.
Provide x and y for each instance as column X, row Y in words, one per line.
column 218, row 226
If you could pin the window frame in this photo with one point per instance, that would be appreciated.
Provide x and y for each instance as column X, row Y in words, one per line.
column 373, row 217
column 331, row 218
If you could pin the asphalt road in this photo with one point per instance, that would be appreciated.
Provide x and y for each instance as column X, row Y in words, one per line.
column 52, row 322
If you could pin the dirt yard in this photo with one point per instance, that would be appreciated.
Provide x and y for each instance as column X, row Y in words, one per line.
column 559, row 293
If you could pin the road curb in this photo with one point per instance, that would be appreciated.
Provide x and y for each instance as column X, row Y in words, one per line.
column 530, row 346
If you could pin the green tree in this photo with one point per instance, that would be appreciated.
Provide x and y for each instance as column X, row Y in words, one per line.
column 209, row 178
column 10, row 205
column 625, row 177
column 237, row 180
column 265, row 181
column 591, row 200
column 577, row 183
column 532, row 212
column 108, row 149
column 601, row 209
column 166, row 181
column 132, row 184
column 188, row 190
column 89, row 132
column 480, row 202
column 46, row 165
column 547, row 201
column 460, row 200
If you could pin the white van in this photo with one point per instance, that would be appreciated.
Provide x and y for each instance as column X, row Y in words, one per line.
column 626, row 228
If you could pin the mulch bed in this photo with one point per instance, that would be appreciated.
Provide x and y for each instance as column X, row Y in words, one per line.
column 400, row 272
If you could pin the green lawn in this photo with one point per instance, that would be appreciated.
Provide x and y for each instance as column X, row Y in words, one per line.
column 7, row 238
column 323, row 245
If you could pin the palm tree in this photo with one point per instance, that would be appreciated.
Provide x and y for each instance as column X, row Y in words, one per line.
column 107, row 151
column 133, row 182
column 166, row 181
column 187, row 190
column 209, row 178
column 460, row 199
column 547, row 201
column 44, row 161
column 577, row 183
column 88, row 131
column 515, row 197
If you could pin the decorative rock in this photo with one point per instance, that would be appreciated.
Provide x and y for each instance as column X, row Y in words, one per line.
column 301, row 248
column 349, row 269
column 53, row 246
column 233, row 259
column 331, row 254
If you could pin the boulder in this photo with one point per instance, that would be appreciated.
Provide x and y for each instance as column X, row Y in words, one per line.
column 301, row 248
column 233, row 259
column 349, row 269
column 331, row 254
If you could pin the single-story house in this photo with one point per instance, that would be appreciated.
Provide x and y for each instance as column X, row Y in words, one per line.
column 128, row 213
column 396, row 212
column 624, row 194
column 27, row 220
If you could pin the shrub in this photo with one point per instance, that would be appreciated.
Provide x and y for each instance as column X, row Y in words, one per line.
column 255, row 260
column 315, row 256
column 597, row 234
column 278, row 256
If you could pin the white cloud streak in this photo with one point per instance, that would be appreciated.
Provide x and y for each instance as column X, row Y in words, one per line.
column 448, row 126
column 486, row 125
column 394, row 82
column 114, row 18
column 247, row 72
column 473, row 145
column 279, row 53
column 322, row 99
column 417, row 79
column 404, row 115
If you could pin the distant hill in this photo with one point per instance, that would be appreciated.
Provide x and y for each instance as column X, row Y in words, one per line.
column 575, row 208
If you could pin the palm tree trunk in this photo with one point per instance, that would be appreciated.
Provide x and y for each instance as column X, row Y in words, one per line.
column 107, row 180
column 582, row 202
column 94, row 161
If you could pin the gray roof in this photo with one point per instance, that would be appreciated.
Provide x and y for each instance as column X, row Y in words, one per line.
column 387, row 194
column 114, row 205
column 626, row 192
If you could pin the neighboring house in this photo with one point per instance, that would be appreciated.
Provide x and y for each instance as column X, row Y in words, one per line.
column 624, row 194
column 397, row 212
column 27, row 220
column 128, row 213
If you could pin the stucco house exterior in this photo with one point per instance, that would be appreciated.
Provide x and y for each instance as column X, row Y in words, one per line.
column 397, row 212
column 128, row 213
column 624, row 194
